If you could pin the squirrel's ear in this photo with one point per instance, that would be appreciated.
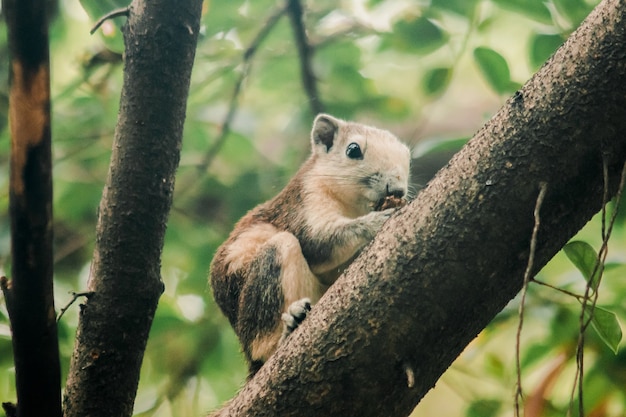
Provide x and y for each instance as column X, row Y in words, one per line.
column 324, row 132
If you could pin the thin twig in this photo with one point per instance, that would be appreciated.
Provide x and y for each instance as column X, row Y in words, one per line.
column 305, row 51
column 75, row 296
column 543, row 187
column 122, row 11
column 10, row 409
column 357, row 28
column 5, row 286
column 590, row 297
column 561, row 290
column 234, row 99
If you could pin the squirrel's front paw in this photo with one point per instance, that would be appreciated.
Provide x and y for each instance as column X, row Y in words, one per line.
column 295, row 314
column 375, row 220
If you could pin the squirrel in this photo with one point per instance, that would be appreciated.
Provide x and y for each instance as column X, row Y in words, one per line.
column 284, row 254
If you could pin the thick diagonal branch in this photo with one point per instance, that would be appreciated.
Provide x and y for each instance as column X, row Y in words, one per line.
column 452, row 259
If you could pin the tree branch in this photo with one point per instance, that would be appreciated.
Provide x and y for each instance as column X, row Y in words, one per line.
column 305, row 51
column 75, row 296
column 29, row 296
column 125, row 282
column 452, row 259
column 122, row 11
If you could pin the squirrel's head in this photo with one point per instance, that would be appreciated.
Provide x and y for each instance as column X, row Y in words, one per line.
column 358, row 164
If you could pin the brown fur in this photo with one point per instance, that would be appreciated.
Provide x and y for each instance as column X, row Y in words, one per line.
column 297, row 244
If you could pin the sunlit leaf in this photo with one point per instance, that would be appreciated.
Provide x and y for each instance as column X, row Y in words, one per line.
column 542, row 46
column 585, row 258
column 221, row 16
column 420, row 36
column 574, row 10
column 607, row 326
column 483, row 408
column 494, row 69
column 534, row 353
column 615, row 270
column 461, row 7
column 436, row 80
column 534, row 9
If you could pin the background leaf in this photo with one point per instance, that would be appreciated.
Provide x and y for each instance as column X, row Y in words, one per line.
column 494, row 69
column 436, row 80
column 542, row 47
column 534, row 9
column 461, row 7
column 419, row 35
column 574, row 10
column 607, row 326
column 585, row 258
column 484, row 408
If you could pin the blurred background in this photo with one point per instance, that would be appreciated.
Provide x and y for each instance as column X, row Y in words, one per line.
column 432, row 72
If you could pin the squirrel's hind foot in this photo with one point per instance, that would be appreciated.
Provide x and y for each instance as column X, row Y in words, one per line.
column 296, row 313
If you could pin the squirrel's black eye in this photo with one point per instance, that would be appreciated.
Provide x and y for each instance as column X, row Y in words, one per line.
column 354, row 151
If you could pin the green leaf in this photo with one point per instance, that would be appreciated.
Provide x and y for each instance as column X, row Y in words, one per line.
column 584, row 257
column 607, row 326
column 462, row 7
column 221, row 16
column 542, row 47
column 534, row 353
column 420, row 36
column 436, row 80
column 483, row 408
column 495, row 69
column 573, row 10
column 534, row 9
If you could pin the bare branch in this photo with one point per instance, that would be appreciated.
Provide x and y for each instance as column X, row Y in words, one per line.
column 590, row 297
column 305, row 51
column 356, row 28
column 557, row 289
column 75, row 296
column 122, row 11
column 246, row 66
column 10, row 409
column 543, row 187
column 5, row 286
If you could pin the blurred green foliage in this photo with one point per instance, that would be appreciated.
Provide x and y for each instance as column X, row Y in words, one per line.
column 431, row 71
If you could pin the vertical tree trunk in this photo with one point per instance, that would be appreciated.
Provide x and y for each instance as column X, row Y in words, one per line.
column 160, row 38
column 29, row 295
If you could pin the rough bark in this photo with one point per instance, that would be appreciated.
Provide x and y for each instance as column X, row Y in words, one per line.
column 160, row 38
column 29, row 295
column 442, row 269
